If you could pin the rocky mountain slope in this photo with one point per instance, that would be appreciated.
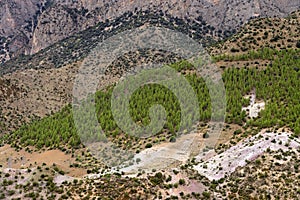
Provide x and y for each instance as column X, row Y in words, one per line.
column 77, row 46
column 41, row 84
column 28, row 26
column 275, row 33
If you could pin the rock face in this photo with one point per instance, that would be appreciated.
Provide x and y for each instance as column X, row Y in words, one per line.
column 14, row 14
column 28, row 26
column 17, row 23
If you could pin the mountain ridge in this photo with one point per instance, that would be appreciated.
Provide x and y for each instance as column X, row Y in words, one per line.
column 49, row 21
column 36, row 119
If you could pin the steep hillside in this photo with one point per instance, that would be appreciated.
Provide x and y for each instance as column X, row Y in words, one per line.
column 29, row 26
column 77, row 47
column 51, row 162
column 51, row 65
column 275, row 33
column 17, row 24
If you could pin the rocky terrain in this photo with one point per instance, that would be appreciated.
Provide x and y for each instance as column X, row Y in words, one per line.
column 48, row 76
column 275, row 33
column 28, row 26
column 253, row 159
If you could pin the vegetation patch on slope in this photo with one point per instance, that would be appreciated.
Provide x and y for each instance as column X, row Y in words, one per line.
column 282, row 77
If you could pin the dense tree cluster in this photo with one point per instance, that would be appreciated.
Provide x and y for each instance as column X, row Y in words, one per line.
column 278, row 85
